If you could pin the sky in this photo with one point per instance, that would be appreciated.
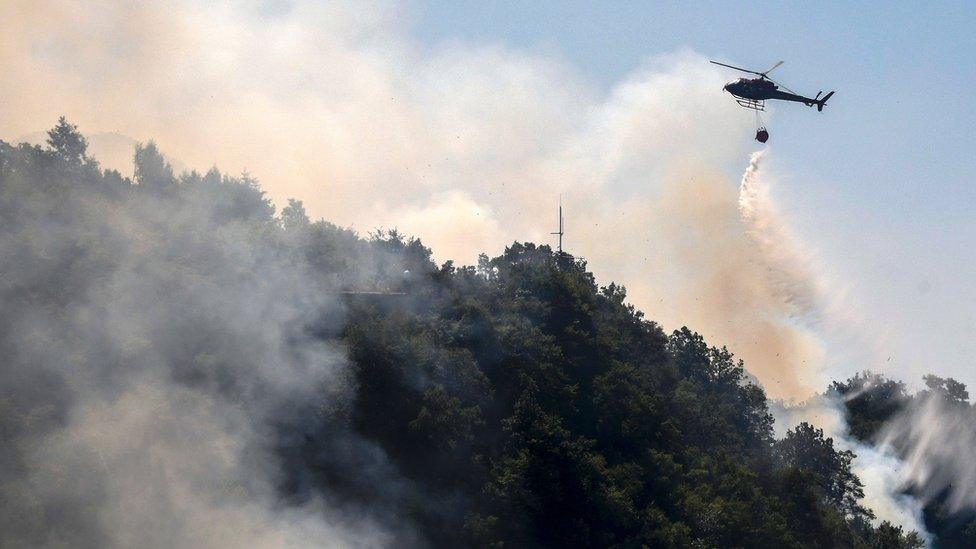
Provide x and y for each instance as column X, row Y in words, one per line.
column 881, row 184
column 462, row 122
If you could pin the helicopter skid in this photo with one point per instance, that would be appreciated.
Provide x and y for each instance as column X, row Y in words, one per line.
column 754, row 104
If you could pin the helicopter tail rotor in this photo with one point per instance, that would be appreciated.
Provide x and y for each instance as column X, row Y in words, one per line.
column 822, row 102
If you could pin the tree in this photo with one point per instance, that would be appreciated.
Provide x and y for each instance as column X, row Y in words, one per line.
column 889, row 536
column 949, row 389
column 151, row 169
column 293, row 216
column 870, row 400
column 806, row 448
column 67, row 142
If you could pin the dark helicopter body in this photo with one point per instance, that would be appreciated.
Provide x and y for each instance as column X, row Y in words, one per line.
column 760, row 89
column 752, row 93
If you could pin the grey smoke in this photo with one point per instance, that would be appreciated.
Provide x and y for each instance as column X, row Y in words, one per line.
column 145, row 346
column 937, row 441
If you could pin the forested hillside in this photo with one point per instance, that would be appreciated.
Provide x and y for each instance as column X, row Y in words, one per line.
column 934, row 431
column 515, row 403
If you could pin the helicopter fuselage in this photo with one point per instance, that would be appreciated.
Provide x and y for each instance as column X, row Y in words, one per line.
column 760, row 89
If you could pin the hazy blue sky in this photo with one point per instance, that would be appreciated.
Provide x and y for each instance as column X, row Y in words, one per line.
column 881, row 184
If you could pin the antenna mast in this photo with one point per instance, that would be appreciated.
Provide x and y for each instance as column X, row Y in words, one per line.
column 560, row 232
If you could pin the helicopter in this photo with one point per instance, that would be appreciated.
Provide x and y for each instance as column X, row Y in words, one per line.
column 752, row 93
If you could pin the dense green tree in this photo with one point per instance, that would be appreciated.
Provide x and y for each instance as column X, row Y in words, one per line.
column 805, row 447
column 872, row 400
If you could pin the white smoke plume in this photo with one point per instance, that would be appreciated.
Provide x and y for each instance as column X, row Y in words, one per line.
column 883, row 474
column 938, row 441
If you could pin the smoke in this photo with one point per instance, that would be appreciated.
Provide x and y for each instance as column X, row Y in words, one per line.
column 800, row 298
column 148, row 343
column 732, row 269
column 878, row 467
column 464, row 145
column 936, row 440
column 164, row 466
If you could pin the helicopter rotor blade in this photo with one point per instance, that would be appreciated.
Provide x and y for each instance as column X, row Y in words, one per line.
column 761, row 74
column 770, row 69
column 738, row 68
column 782, row 86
